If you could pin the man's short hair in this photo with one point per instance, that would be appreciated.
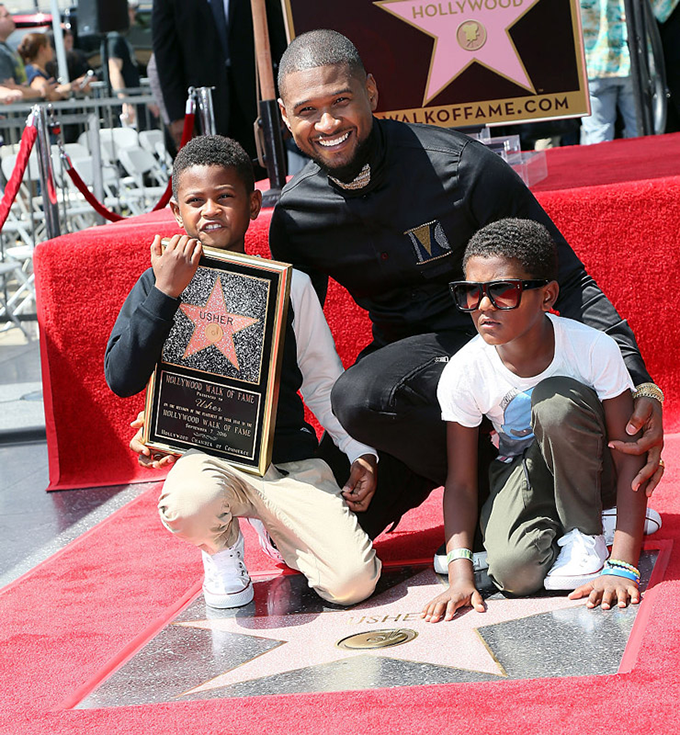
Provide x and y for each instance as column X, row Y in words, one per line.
column 317, row 48
column 213, row 150
column 526, row 241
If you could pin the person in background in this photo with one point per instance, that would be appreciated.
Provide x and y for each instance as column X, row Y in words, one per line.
column 667, row 14
column 610, row 84
column 76, row 59
column 223, row 32
column 37, row 52
column 124, row 74
column 12, row 71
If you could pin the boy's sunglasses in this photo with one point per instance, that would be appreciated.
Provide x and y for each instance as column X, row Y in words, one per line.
column 504, row 295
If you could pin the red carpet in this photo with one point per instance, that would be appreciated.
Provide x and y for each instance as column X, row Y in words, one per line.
column 627, row 233
column 78, row 613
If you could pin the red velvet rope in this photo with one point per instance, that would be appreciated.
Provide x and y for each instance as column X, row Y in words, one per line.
column 90, row 197
column 27, row 140
column 187, row 132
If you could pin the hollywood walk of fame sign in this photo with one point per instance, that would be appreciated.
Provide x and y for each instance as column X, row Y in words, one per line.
column 462, row 63
column 215, row 387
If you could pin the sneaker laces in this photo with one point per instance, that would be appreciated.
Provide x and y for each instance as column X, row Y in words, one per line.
column 266, row 543
column 226, row 566
column 576, row 546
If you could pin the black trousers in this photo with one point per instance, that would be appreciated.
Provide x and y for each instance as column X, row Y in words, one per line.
column 388, row 400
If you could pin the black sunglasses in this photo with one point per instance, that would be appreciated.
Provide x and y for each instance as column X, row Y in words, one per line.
column 504, row 295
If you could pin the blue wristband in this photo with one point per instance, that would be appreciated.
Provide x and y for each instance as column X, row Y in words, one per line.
column 620, row 572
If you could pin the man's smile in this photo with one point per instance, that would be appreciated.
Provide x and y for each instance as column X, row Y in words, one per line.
column 330, row 142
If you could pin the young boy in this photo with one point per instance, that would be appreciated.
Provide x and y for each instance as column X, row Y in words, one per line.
column 298, row 501
column 556, row 392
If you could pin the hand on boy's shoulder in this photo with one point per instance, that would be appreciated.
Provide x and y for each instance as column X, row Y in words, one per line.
column 175, row 265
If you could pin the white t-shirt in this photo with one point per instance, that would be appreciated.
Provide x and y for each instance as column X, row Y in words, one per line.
column 476, row 383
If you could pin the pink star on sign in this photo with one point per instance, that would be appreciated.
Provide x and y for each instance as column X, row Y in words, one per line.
column 214, row 325
column 465, row 31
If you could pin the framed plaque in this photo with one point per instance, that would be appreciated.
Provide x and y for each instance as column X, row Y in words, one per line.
column 215, row 387
column 462, row 63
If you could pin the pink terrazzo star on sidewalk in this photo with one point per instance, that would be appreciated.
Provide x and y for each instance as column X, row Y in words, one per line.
column 313, row 636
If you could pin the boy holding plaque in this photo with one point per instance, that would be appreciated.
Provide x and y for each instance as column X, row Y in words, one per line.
column 297, row 503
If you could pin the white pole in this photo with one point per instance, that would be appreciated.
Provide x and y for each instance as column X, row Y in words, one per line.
column 59, row 42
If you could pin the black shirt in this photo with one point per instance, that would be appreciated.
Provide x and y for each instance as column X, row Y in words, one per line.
column 397, row 243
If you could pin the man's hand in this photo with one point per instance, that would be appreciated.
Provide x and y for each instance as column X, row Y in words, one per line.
column 144, row 456
column 608, row 589
column 648, row 418
column 175, row 266
column 456, row 596
column 360, row 487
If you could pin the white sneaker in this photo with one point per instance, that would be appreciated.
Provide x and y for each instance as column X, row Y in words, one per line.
column 227, row 582
column 652, row 523
column 580, row 561
column 266, row 543
column 479, row 561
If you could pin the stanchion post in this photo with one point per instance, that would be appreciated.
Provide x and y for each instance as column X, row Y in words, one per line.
column 639, row 66
column 48, row 188
column 206, row 111
column 93, row 140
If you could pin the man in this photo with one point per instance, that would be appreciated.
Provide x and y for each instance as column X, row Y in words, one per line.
column 209, row 43
column 12, row 72
column 610, row 81
column 124, row 72
column 386, row 208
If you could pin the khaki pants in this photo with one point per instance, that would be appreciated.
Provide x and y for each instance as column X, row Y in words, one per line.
column 301, row 506
column 561, row 482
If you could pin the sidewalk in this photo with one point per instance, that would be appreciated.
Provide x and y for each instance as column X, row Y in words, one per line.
column 35, row 524
column 21, row 406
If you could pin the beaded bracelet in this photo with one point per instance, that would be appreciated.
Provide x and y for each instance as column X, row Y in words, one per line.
column 458, row 554
column 623, row 565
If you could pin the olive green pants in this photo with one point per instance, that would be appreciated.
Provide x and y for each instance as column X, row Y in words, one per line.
column 562, row 481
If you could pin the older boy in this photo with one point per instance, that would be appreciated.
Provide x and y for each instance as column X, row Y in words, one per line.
column 557, row 393
column 298, row 501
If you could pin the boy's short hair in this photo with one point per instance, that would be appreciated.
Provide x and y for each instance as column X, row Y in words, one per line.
column 213, row 150
column 523, row 240
column 321, row 47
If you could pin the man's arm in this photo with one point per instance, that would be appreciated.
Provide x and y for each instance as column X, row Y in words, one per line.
column 493, row 191
column 320, row 367
column 282, row 249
